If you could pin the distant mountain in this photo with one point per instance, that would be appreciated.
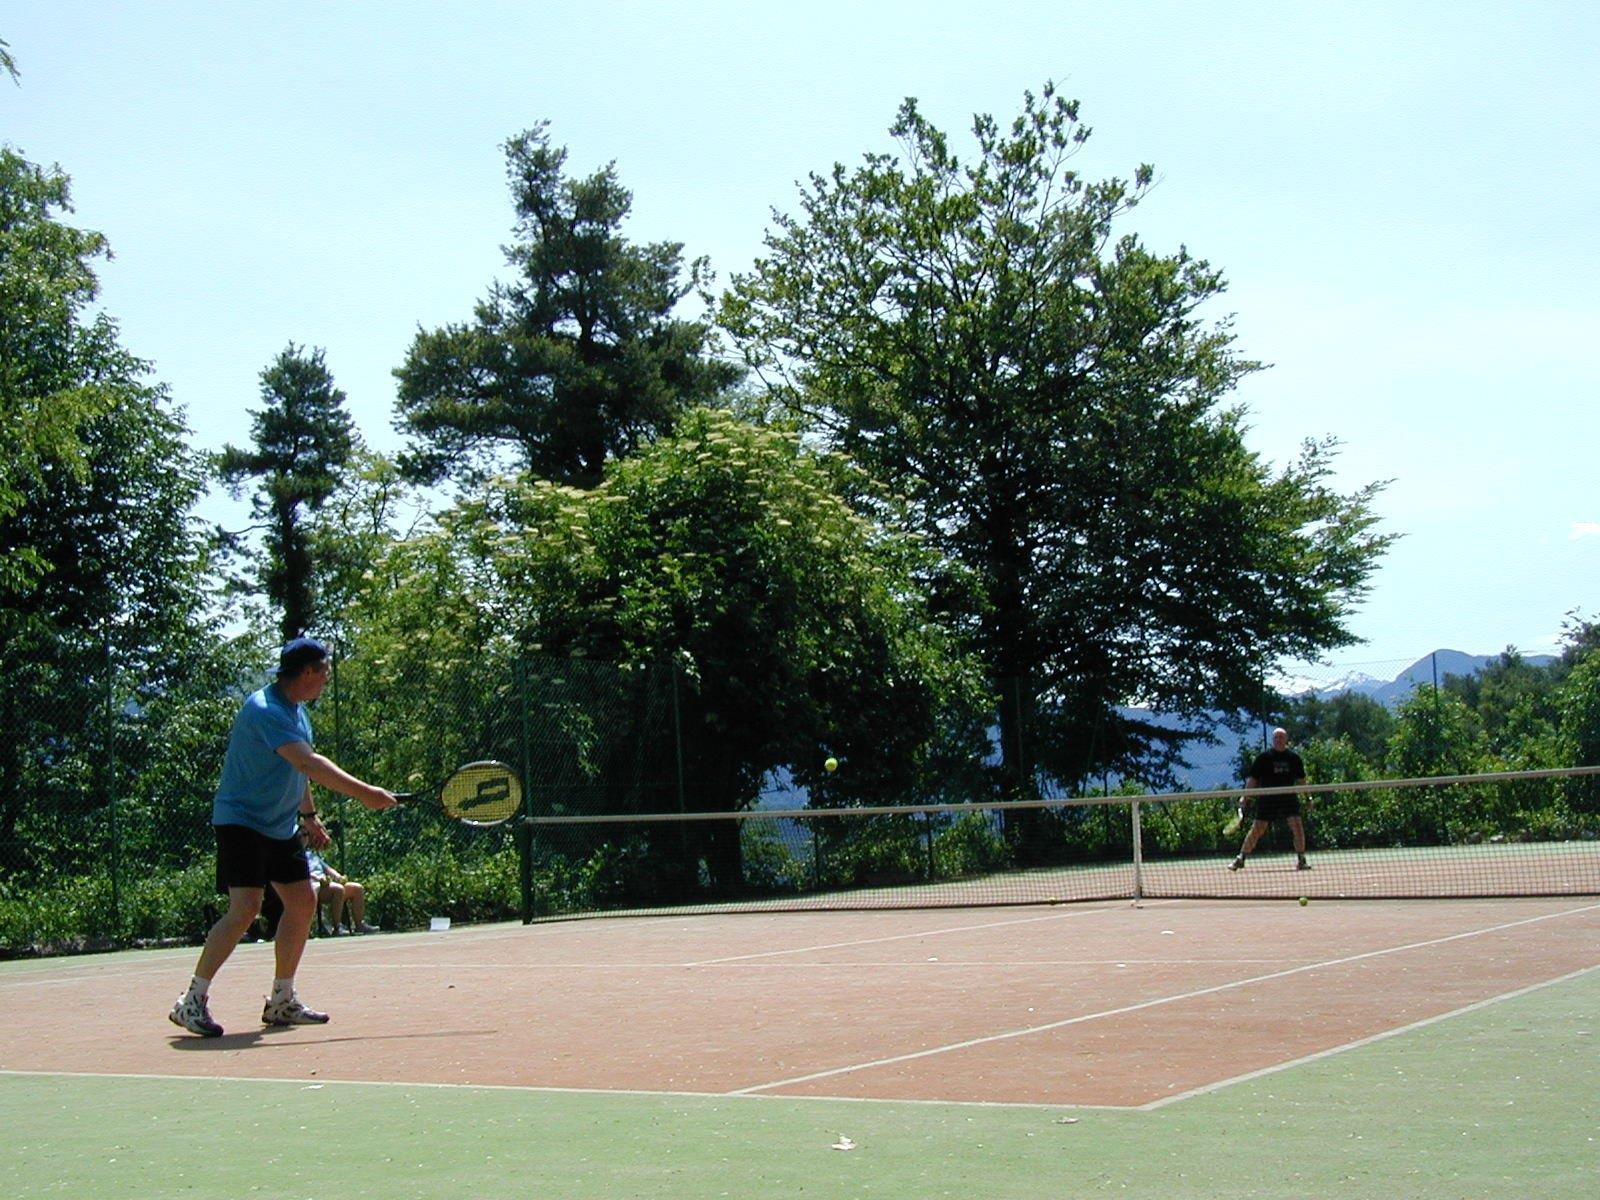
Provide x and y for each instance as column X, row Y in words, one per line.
column 1439, row 665
column 1320, row 686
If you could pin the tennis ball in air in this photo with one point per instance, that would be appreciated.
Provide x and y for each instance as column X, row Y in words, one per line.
column 1304, row 901
column 830, row 765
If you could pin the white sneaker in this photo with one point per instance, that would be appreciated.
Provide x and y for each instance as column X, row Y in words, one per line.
column 291, row 1012
column 191, row 1013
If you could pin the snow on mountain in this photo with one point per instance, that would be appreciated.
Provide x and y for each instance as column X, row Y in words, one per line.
column 1321, row 686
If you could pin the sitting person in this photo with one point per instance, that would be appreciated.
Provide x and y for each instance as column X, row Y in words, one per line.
column 339, row 894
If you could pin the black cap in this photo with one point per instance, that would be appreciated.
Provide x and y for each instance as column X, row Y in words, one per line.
column 299, row 654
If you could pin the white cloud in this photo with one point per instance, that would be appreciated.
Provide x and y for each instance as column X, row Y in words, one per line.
column 1583, row 529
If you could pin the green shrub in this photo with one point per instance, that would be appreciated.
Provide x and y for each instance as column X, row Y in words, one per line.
column 173, row 905
column 769, row 864
column 438, row 883
column 970, row 845
column 1186, row 826
column 64, row 913
column 874, row 851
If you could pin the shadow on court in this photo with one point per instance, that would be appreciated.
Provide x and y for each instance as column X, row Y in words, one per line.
column 257, row 1039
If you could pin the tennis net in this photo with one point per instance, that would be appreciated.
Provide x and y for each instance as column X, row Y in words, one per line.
column 1509, row 833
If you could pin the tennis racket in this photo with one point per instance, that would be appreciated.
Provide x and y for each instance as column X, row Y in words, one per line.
column 481, row 793
column 1233, row 826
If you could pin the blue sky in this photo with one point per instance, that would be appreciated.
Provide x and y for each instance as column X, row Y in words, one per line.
column 1403, row 197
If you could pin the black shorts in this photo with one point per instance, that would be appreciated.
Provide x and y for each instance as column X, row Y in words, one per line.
column 247, row 859
column 1274, row 808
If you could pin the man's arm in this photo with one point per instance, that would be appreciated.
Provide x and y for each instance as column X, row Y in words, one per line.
column 318, row 768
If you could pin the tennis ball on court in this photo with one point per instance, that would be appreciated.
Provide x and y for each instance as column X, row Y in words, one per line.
column 830, row 765
column 1304, row 901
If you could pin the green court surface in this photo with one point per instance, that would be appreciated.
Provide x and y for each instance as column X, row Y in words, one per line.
column 1496, row 1102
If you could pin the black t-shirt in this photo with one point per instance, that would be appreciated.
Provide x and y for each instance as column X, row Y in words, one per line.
column 1277, row 768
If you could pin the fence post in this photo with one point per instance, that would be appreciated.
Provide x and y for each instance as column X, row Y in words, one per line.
column 111, row 786
column 524, row 829
column 677, row 734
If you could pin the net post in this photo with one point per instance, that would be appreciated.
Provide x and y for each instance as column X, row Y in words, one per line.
column 1138, row 857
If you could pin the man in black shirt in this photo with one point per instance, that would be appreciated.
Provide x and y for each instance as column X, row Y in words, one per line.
column 1279, row 767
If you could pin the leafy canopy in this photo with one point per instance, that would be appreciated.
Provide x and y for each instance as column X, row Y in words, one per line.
column 798, row 625
column 1050, row 400
column 50, row 382
column 104, row 567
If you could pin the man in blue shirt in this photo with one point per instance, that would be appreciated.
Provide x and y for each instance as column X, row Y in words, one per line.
column 262, row 803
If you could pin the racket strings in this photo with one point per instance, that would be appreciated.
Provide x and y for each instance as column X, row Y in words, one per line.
column 482, row 793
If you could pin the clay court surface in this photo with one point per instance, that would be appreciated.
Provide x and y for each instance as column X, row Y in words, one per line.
column 1102, row 1004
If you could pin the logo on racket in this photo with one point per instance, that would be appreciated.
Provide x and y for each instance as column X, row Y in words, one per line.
column 489, row 791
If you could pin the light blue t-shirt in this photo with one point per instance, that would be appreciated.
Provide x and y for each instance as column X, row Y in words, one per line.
column 259, row 788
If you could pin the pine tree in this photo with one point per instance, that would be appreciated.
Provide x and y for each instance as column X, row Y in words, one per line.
column 579, row 359
column 304, row 440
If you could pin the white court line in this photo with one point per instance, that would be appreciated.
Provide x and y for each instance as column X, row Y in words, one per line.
column 73, row 970
column 986, row 964
column 319, row 1083
column 1156, row 1003
column 326, row 954
column 900, row 937
column 1366, row 1041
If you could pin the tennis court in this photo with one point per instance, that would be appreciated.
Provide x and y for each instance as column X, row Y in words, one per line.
column 1093, row 1005
column 750, row 1034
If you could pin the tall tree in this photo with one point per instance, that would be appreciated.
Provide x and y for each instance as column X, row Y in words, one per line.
column 304, row 440
column 798, row 625
column 104, row 568
column 580, row 358
column 1051, row 402
column 50, row 383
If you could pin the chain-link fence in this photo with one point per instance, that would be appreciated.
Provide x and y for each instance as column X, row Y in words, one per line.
column 106, row 785
column 104, row 801
column 107, row 772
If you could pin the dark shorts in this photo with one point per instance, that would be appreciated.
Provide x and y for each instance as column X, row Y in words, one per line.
column 1275, row 808
column 247, row 859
